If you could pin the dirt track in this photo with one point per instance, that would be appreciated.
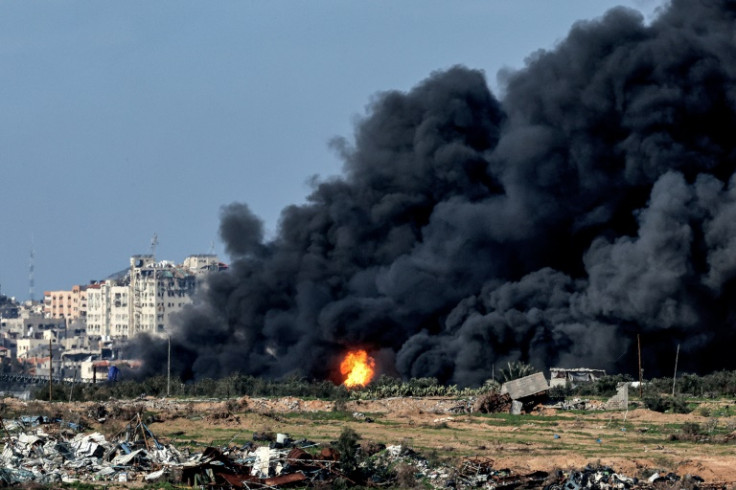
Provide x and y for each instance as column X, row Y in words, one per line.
column 632, row 442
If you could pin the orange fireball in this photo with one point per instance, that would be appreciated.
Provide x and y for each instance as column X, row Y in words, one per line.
column 358, row 368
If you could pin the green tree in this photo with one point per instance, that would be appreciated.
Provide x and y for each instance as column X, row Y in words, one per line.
column 347, row 445
column 515, row 370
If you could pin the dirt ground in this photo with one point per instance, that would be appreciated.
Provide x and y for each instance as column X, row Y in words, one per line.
column 634, row 442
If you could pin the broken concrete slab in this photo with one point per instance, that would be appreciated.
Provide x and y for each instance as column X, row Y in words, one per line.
column 526, row 386
column 620, row 401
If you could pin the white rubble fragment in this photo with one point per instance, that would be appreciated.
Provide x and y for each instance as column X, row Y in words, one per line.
column 105, row 472
column 127, row 459
column 155, row 475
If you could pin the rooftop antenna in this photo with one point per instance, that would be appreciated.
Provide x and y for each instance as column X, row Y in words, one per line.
column 212, row 247
column 154, row 243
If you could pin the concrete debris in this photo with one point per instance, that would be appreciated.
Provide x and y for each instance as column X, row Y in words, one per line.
column 481, row 473
column 516, row 407
column 46, row 453
column 40, row 457
column 595, row 477
column 525, row 387
column 362, row 417
column 579, row 404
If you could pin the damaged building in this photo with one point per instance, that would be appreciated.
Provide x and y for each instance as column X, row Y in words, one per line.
column 145, row 296
column 563, row 377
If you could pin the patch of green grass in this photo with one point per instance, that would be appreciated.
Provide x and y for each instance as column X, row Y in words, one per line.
column 524, row 418
column 526, row 425
column 181, row 436
column 80, row 486
column 340, row 415
column 663, row 461
column 722, row 411
column 162, row 485
column 579, row 433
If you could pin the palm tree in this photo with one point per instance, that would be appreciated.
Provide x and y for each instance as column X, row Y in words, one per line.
column 516, row 370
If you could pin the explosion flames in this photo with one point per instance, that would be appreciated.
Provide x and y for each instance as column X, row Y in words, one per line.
column 358, row 368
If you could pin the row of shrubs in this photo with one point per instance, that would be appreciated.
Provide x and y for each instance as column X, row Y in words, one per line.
column 238, row 385
column 715, row 385
column 232, row 386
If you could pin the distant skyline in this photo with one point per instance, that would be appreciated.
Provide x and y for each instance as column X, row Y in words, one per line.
column 121, row 120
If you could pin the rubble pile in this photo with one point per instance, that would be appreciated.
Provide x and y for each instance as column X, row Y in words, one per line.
column 578, row 404
column 493, row 403
column 48, row 452
column 481, row 473
column 604, row 477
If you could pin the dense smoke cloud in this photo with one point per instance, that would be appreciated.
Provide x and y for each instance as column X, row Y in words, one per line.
column 595, row 202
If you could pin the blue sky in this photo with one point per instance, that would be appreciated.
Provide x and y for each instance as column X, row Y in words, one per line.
column 119, row 120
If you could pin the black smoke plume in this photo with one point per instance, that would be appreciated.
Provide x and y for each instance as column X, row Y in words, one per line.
column 594, row 202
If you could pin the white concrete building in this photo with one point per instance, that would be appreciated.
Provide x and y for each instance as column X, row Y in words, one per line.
column 108, row 310
column 28, row 344
column 158, row 290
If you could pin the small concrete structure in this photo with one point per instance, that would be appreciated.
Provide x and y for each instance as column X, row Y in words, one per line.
column 526, row 386
column 516, row 407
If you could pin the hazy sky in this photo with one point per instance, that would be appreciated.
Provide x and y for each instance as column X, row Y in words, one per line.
column 119, row 120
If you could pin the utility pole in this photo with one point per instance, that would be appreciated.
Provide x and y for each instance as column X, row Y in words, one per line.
column 638, row 342
column 674, row 376
column 168, row 378
column 51, row 370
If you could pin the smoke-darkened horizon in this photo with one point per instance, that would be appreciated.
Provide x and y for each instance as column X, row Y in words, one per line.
column 595, row 201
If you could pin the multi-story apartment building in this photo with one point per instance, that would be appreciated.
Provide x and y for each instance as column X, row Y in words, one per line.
column 108, row 310
column 70, row 305
column 158, row 290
